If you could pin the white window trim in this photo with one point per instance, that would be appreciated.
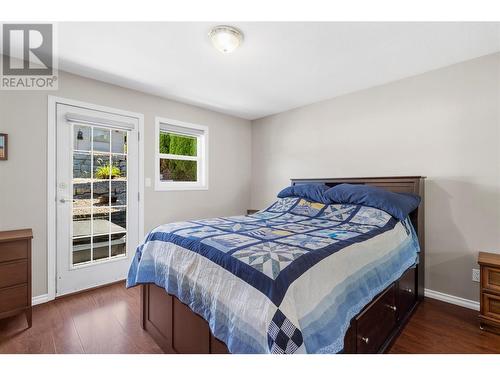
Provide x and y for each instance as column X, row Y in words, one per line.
column 202, row 158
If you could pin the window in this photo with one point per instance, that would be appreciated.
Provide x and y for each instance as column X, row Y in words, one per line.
column 181, row 156
column 99, row 194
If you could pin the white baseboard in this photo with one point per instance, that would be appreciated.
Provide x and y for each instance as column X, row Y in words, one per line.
column 473, row 305
column 42, row 298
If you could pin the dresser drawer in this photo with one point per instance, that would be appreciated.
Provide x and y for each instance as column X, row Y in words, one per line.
column 491, row 278
column 13, row 273
column 376, row 323
column 491, row 306
column 13, row 298
column 13, row 250
column 407, row 292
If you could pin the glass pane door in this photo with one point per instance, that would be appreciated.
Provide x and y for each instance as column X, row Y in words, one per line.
column 99, row 204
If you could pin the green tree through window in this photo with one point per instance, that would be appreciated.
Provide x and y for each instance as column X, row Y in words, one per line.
column 178, row 170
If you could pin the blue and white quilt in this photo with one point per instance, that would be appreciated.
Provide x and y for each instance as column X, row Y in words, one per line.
column 287, row 279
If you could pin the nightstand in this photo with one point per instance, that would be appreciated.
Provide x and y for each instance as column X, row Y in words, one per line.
column 15, row 273
column 489, row 319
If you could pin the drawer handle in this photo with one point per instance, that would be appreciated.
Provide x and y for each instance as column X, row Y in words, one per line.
column 365, row 339
column 393, row 308
column 408, row 290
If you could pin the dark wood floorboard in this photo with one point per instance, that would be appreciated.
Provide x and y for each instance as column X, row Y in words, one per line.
column 106, row 320
column 441, row 328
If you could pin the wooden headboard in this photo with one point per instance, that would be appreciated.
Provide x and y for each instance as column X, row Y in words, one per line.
column 404, row 184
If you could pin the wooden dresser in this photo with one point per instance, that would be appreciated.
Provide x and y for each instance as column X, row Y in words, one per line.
column 15, row 273
column 489, row 319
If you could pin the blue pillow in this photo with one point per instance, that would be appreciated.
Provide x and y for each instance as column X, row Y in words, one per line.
column 398, row 205
column 312, row 192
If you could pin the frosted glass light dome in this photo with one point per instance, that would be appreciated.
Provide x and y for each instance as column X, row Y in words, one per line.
column 225, row 38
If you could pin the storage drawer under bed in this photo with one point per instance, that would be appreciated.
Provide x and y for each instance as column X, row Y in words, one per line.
column 376, row 323
column 407, row 292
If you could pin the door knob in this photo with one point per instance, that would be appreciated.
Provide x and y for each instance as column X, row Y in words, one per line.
column 393, row 308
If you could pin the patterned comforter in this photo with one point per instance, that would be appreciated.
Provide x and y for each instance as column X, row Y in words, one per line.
column 287, row 279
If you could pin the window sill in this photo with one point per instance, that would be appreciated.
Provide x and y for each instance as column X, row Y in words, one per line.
column 162, row 187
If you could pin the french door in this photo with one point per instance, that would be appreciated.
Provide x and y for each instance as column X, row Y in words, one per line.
column 97, row 197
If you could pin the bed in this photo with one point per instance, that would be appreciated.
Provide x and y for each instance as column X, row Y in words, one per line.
column 296, row 277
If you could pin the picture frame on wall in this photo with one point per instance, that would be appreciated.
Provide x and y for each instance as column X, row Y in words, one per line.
column 3, row 146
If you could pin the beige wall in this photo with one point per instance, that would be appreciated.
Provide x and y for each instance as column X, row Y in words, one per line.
column 23, row 178
column 443, row 124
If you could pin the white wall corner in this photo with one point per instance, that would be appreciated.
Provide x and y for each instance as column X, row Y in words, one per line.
column 459, row 301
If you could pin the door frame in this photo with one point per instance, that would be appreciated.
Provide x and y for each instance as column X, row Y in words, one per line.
column 52, row 102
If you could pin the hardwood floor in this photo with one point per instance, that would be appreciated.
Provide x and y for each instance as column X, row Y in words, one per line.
column 106, row 320
column 441, row 328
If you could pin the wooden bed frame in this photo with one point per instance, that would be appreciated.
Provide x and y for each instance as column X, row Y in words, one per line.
column 177, row 329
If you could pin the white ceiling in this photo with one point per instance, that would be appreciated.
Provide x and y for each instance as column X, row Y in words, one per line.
column 279, row 66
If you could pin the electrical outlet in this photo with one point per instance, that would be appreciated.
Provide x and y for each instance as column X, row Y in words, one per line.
column 475, row 275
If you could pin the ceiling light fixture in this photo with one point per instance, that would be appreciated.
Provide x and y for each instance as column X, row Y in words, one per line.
column 225, row 38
